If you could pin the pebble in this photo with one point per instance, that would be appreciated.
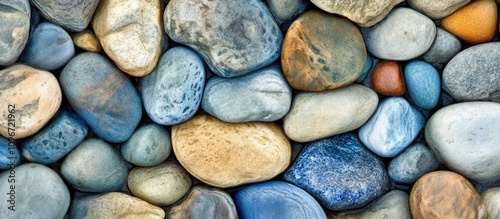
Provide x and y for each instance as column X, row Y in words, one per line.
column 443, row 49
column 445, row 194
column 387, row 79
column 285, row 11
column 66, row 131
column 473, row 23
column 364, row 13
column 87, row 41
column 316, row 115
column 464, row 136
column 172, row 92
column 204, row 202
column 113, row 205
column 412, row 163
column 328, row 169
column 369, row 65
column 72, row 15
column 148, row 146
column 234, row 37
column 230, row 154
column 404, row 34
column 393, row 204
column 276, row 199
column 14, row 29
column 39, row 192
column 423, row 84
column 473, row 74
column 332, row 55
column 160, row 185
column 96, row 90
column 8, row 155
column 30, row 98
column 94, row 166
column 130, row 32
column 491, row 199
column 392, row 128
column 263, row 95
column 437, row 9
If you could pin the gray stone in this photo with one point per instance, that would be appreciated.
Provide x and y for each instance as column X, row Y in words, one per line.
column 149, row 145
column 263, row 95
column 444, row 47
column 491, row 199
column 286, row 10
column 411, row 164
column 437, row 9
column 393, row 204
column 72, row 15
column 14, row 29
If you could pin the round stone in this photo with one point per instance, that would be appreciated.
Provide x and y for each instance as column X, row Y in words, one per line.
column 443, row 49
column 387, row 79
column 285, row 11
column 412, row 163
column 9, row 154
column 14, row 29
column 393, row 204
column 148, row 146
column 437, row 9
column 423, row 83
column 87, row 41
column 73, row 15
column 491, row 199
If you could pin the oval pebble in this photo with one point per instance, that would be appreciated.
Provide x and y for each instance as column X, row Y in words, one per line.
column 9, row 154
column 412, row 163
column 437, row 9
column 87, row 41
column 491, row 199
column 284, row 11
column 387, row 79
column 423, row 84
column 14, row 30
column 149, row 145
column 73, row 15
column 443, row 49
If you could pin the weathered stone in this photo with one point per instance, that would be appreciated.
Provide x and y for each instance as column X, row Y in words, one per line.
column 285, row 11
column 437, row 9
column 149, row 145
column 411, row 164
column 14, row 29
column 444, row 47
column 393, row 204
column 491, row 199
column 73, row 15
column 87, row 41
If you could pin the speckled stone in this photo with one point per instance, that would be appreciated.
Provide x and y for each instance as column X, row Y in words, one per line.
column 149, row 145
column 87, row 41
column 14, row 29
column 387, row 79
column 491, row 199
column 328, row 169
column 393, row 204
column 233, row 37
column 443, row 49
column 285, row 11
column 423, row 83
column 9, row 156
column 322, row 52
column 437, row 9
column 412, row 163
column 73, row 15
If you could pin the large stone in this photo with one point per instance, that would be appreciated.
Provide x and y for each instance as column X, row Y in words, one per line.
column 130, row 32
column 149, row 145
column 491, row 199
column 443, row 49
column 437, row 9
column 14, row 29
column 316, row 115
column 322, row 52
column 393, row 204
column 234, row 37
column 412, row 163
column 73, row 15
column 230, row 154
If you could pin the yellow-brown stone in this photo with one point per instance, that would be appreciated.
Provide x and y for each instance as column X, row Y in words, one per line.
column 86, row 41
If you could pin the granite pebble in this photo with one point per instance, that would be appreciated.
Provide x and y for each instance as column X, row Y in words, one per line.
column 423, row 84
column 443, row 49
column 414, row 162
column 148, row 146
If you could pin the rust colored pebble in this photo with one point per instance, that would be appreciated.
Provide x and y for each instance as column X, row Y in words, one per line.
column 387, row 79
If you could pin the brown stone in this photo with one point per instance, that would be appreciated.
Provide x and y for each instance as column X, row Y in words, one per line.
column 387, row 79
column 445, row 194
column 87, row 41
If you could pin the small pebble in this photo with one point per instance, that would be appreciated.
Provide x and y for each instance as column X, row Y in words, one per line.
column 148, row 146
column 423, row 84
column 412, row 163
column 387, row 79
column 491, row 199
column 87, row 41
column 393, row 204
column 443, row 49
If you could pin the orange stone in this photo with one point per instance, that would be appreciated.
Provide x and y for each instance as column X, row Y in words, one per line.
column 474, row 23
column 387, row 79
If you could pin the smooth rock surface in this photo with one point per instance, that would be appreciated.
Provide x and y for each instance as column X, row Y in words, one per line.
column 149, row 145
column 491, row 199
column 369, row 65
column 263, row 95
column 437, row 9
column 285, row 11
column 9, row 156
column 87, row 41
column 412, row 163
column 443, row 49
column 393, row 204
column 73, row 15
column 14, row 30
column 316, row 115
column 233, row 37
column 387, row 79
column 423, row 84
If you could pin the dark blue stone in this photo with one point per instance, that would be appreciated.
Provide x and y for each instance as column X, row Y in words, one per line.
column 339, row 172
column 6, row 157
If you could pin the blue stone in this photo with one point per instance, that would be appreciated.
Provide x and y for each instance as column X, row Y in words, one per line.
column 339, row 172
column 8, row 155
column 49, row 47
column 56, row 139
column 172, row 92
column 423, row 84
column 148, row 146
column 369, row 64
column 102, row 95
column 411, row 164
column 276, row 199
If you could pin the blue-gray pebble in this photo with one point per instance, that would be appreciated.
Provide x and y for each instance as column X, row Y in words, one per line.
column 172, row 92
column 369, row 64
column 423, row 84
column 14, row 29
column 9, row 156
column 339, row 172
column 148, row 146
column 412, row 163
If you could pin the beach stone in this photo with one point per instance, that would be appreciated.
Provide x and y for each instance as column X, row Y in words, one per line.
column 364, row 13
column 263, row 95
column 316, row 115
column 464, row 136
column 473, row 23
column 387, row 79
column 72, row 15
column 130, row 33
column 66, row 131
column 160, row 185
column 31, row 96
column 445, row 194
column 474, row 74
column 285, row 11
column 369, row 65
column 276, row 199
column 233, row 37
column 412, row 163
column 172, row 92
column 491, row 199
column 423, row 84
column 393, row 204
column 14, row 30
column 437, row 9
column 49, row 47
column 113, row 205
column 322, row 52
column 392, row 128
column 404, row 34
column 329, row 168
column 39, row 192
column 148, row 146
column 94, row 166
column 96, row 90
column 230, row 154
column 204, row 202
column 87, row 41
column 443, row 49
column 9, row 156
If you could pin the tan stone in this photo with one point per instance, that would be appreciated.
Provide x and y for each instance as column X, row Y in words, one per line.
column 437, row 9
column 230, row 154
column 87, row 41
column 130, row 32
column 33, row 96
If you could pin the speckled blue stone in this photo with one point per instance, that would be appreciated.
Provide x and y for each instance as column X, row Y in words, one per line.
column 6, row 158
column 49, row 47
column 411, row 164
column 423, row 84
column 339, row 172
column 369, row 64
column 56, row 139
column 276, row 199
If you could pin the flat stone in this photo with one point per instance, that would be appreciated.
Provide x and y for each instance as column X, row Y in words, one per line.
column 316, row 115
column 423, row 84
column 233, row 37
column 230, row 154
column 393, row 204
column 437, row 9
column 285, row 11
column 414, row 162
column 14, row 30
column 387, row 79
column 130, row 33
column 9, row 156
column 322, row 52
column 443, row 49
column 72, row 15
column 491, row 199
column 87, row 41
column 148, row 146
column 263, row 95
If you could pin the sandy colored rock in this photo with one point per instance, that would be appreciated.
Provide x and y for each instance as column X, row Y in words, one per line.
column 437, row 9
column 230, row 154
column 87, row 41
column 387, row 79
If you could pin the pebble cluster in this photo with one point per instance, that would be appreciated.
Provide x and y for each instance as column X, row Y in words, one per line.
column 346, row 109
